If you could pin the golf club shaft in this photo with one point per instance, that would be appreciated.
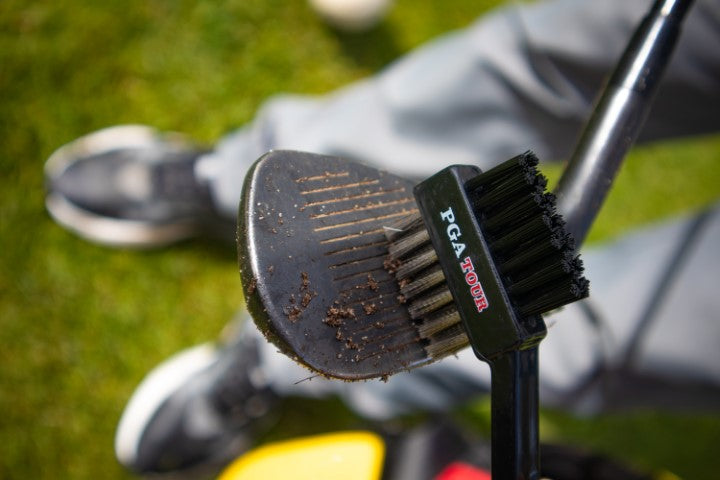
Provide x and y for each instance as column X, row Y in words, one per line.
column 618, row 116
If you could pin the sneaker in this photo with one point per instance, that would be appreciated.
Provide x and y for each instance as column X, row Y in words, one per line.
column 196, row 411
column 130, row 186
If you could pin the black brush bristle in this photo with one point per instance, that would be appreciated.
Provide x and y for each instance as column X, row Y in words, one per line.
column 529, row 244
column 532, row 258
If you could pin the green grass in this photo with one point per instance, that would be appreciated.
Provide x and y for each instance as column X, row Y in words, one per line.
column 80, row 324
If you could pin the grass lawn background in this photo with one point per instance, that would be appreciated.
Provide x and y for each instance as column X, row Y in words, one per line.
column 81, row 324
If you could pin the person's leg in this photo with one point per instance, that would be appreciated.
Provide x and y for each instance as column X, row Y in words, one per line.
column 523, row 77
column 649, row 326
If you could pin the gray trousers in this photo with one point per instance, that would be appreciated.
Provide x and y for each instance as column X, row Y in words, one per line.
column 521, row 78
column 649, row 335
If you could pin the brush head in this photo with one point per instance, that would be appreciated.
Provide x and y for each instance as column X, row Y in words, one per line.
column 488, row 258
column 312, row 253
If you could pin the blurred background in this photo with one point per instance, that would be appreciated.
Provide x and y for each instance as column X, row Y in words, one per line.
column 80, row 325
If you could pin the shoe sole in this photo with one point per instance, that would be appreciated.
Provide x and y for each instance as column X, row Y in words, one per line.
column 106, row 230
column 114, row 232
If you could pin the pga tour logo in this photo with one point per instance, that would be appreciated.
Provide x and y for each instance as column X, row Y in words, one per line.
column 466, row 266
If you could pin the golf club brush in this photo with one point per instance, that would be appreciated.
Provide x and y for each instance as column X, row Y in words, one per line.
column 349, row 273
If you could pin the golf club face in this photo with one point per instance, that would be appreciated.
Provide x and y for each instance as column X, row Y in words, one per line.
column 312, row 249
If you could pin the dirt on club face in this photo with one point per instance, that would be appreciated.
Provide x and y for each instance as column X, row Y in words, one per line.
column 391, row 265
column 336, row 316
column 370, row 308
column 294, row 311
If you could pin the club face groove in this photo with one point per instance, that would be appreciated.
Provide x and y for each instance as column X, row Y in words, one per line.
column 312, row 248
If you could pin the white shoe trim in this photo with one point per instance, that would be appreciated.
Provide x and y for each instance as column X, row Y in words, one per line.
column 107, row 139
column 155, row 388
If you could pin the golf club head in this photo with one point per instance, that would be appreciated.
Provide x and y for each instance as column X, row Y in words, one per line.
column 312, row 254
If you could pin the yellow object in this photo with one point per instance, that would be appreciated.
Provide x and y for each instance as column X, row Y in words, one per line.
column 665, row 475
column 347, row 456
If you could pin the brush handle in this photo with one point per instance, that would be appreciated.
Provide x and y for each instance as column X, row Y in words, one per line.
column 618, row 117
column 514, row 410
